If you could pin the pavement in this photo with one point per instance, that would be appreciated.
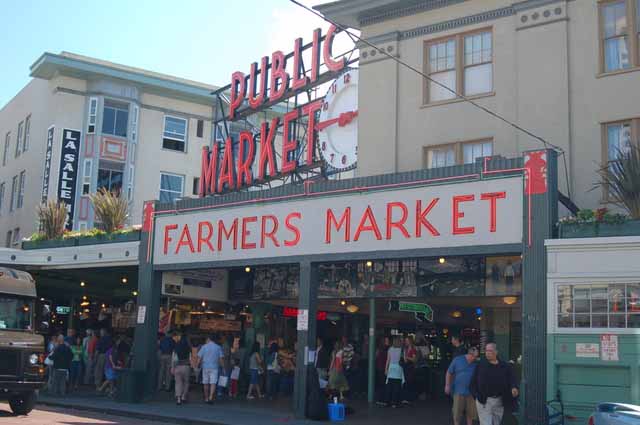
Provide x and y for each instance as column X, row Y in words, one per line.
column 242, row 412
column 44, row 415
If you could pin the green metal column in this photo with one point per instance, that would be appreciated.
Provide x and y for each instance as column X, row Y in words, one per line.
column 371, row 384
column 307, row 305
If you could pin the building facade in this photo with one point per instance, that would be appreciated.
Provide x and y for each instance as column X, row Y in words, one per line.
column 560, row 69
column 140, row 133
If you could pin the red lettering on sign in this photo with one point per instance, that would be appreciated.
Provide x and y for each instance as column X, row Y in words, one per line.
column 421, row 218
column 289, row 146
column 244, row 175
column 372, row 226
column 226, row 167
column 168, row 238
column 185, row 240
column 331, row 64
column 457, row 215
column 246, row 232
column 208, row 170
column 345, row 220
column 255, row 100
column 267, row 136
column 299, row 79
column 279, row 76
column 223, row 232
column 202, row 239
column 237, row 92
column 397, row 224
column 493, row 200
column 315, row 55
column 310, row 110
column 293, row 229
column 271, row 234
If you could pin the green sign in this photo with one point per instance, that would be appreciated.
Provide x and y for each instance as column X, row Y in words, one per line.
column 423, row 312
column 61, row 309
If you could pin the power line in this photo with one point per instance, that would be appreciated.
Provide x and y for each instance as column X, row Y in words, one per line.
column 427, row 77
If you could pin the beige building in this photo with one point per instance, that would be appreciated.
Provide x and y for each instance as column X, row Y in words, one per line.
column 140, row 133
column 564, row 70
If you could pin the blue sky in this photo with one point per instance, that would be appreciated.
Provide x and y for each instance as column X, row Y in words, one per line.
column 203, row 40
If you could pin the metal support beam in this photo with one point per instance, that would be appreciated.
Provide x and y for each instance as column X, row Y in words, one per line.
column 371, row 367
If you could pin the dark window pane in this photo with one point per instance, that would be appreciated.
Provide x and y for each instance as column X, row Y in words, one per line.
column 169, row 182
column 173, row 145
column 565, row 321
column 200, row 128
column 598, row 306
column 599, row 321
column 617, row 321
column 108, row 120
column 581, row 306
column 121, row 123
column 116, row 181
column 633, row 320
column 196, row 185
column 104, row 177
column 583, row 321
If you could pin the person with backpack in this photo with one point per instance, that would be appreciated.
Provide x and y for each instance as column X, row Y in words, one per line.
column 273, row 371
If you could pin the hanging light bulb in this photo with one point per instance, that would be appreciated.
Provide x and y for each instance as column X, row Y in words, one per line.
column 124, row 280
column 343, row 302
column 247, row 269
column 369, row 263
column 82, row 284
column 441, row 260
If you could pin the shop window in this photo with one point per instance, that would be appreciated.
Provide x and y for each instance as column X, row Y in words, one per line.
column 174, row 136
column 21, row 184
column 110, row 177
column 171, row 187
column 27, row 134
column 7, row 142
column 598, row 306
column 93, row 115
column 19, row 139
column 115, row 117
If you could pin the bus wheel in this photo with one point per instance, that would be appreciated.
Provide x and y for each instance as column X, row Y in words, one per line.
column 22, row 404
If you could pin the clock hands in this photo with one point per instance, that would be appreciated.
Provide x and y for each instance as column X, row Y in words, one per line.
column 343, row 119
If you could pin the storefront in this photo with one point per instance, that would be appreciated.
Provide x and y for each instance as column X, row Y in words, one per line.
column 433, row 251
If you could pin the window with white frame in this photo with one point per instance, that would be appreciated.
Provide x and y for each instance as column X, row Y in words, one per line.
column 27, row 133
column 86, row 176
column 134, row 123
column 93, row 115
column 441, row 156
column 615, row 305
column 174, row 135
column 7, row 142
column 2, row 186
column 19, row 139
column 14, row 193
column 23, row 176
column 478, row 64
column 171, row 187
column 474, row 150
column 115, row 118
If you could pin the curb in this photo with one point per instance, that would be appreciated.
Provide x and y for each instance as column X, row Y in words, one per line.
column 130, row 414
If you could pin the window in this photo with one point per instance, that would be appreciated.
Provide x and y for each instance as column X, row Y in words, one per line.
column 109, row 177
column 134, row 123
column 474, row 76
column 9, row 239
column 598, row 306
column 2, row 185
column 617, row 138
column 20, row 201
column 196, row 186
column 200, row 129
column 171, row 186
column 114, row 119
column 174, row 136
column 27, row 133
column 16, row 236
column 93, row 114
column 619, row 34
column 14, row 193
column 19, row 139
column 86, row 176
column 7, row 141
column 457, row 153
column 130, row 183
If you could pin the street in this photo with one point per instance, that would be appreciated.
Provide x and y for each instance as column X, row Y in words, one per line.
column 44, row 415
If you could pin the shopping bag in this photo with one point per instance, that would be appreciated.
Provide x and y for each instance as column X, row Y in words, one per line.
column 223, row 381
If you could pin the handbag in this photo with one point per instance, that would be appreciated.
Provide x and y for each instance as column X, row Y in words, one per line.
column 223, row 381
column 48, row 361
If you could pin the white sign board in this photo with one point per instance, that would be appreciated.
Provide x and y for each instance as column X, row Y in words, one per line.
column 142, row 312
column 609, row 347
column 483, row 212
column 303, row 319
column 590, row 351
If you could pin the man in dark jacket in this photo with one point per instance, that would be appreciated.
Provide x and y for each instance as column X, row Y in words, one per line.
column 61, row 357
column 493, row 385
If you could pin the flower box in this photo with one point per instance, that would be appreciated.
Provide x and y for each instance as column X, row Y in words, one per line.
column 114, row 238
column 52, row 243
column 596, row 229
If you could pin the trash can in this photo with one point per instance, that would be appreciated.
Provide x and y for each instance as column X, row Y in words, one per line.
column 130, row 385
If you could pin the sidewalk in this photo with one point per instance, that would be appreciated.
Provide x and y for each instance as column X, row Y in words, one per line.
column 241, row 412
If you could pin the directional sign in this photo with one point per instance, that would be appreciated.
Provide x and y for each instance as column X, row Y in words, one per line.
column 423, row 312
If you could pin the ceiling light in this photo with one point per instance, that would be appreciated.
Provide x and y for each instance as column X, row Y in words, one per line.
column 510, row 300
column 82, row 283
column 135, row 293
column 441, row 260
column 84, row 303
column 41, row 299
column 247, row 269
column 352, row 308
column 104, row 305
column 343, row 302
column 203, row 304
column 84, row 297
column 456, row 314
column 124, row 280
column 369, row 264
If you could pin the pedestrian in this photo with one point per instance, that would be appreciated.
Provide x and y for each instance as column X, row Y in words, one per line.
column 111, row 369
column 410, row 358
column 88, row 355
column 255, row 368
column 348, row 352
column 181, row 367
column 323, row 359
column 210, row 356
column 194, row 360
column 165, row 352
column 225, row 370
column 381, row 364
column 458, row 382
column 61, row 357
column 103, row 345
column 493, row 386
column 51, row 347
column 394, row 373
column 235, row 378
column 76, row 364
column 273, row 371
column 337, row 381
column 458, row 347
column 422, row 366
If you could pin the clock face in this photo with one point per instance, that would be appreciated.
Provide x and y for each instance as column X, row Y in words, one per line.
column 338, row 125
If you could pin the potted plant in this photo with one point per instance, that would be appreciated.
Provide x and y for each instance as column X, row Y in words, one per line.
column 52, row 217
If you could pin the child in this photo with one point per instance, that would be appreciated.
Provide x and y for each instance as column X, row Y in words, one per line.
column 235, row 377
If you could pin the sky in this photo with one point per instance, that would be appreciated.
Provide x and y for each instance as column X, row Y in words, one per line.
column 202, row 40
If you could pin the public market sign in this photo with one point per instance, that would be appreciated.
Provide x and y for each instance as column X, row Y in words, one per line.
column 483, row 212
column 272, row 82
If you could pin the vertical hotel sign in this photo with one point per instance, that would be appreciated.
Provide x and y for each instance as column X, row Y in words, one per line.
column 68, row 174
column 46, row 175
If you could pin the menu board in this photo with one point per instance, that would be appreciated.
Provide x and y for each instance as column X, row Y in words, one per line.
column 220, row 325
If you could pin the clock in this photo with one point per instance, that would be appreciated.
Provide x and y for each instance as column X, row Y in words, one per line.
column 338, row 126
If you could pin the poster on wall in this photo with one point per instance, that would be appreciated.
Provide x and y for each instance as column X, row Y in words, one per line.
column 68, row 172
column 276, row 282
column 220, row 325
column 461, row 276
column 504, row 275
column 609, row 347
column 46, row 172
